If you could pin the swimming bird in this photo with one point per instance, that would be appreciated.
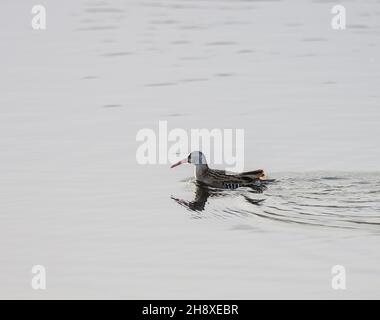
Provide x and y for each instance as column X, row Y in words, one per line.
column 221, row 178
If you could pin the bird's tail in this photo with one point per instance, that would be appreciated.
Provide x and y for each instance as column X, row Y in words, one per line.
column 257, row 174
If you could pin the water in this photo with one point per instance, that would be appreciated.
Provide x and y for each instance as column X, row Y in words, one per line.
column 344, row 201
column 74, row 199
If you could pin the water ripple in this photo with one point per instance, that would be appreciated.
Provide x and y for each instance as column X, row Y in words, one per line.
column 344, row 200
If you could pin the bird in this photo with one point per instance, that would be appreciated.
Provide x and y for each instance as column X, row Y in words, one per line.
column 221, row 178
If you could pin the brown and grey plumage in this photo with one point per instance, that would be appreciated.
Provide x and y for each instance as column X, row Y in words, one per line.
column 221, row 178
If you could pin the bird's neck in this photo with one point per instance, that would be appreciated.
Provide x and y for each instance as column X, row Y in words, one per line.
column 200, row 171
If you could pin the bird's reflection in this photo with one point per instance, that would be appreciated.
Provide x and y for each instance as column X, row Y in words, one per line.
column 203, row 192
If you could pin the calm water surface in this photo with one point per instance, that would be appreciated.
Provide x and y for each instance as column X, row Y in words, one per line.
column 74, row 199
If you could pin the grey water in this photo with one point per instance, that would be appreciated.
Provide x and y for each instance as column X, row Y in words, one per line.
column 314, row 199
column 74, row 199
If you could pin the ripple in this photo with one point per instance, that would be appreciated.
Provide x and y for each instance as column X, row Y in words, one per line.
column 224, row 74
column 244, row 51
column 161, row 84
column 193, row 80
column 180, row 42
column 347, row 201
column 117, row 54
column 90, row 77
column 97, row 28
column 221, row 43
column 103, row 10
column 112, row 106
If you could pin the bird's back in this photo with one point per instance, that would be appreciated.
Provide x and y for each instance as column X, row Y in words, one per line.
column 223, row 179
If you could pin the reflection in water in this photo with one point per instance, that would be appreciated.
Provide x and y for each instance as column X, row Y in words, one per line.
column 203, row 193
column 345, row 201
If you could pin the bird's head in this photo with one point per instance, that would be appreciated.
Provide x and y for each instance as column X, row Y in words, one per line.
column 196, row 158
